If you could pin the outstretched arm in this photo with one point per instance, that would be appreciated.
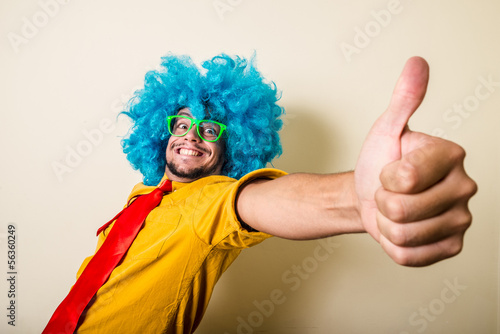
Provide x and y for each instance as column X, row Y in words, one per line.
column 302, row 206
column 409, row 190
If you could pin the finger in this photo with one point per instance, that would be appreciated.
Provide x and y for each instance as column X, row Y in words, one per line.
column 455, row 189
column 408, row 94
column 428, row 231
column 426, row 254
column 422, row 167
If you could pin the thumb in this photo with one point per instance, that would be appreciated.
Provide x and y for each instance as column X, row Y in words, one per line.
column 407, row 96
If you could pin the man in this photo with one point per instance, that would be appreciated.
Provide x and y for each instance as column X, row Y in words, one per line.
column 217, row 129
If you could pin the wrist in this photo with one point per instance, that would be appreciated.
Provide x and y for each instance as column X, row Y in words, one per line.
column 344, row 204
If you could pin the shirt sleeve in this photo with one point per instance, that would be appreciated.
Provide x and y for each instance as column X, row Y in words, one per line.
column 215, row 220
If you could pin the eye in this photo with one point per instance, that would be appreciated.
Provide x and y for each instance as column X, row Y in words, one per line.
column 210, row 132
column 181, row 125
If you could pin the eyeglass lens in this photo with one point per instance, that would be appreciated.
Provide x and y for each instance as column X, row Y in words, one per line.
column 179, row 126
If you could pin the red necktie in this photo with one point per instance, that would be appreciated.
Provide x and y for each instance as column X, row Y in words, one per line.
column 128, row 223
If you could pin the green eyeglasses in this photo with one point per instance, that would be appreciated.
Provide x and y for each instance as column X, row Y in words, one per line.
column 179, row 125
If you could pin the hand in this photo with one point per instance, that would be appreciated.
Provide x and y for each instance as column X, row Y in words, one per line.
column 412, row 188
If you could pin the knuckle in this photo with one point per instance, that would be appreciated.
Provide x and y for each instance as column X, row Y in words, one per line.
column 455, row 246
column 457, row 152
column 470, row 187
column 397, row 234
column 467, row 218
column 464, row 221
column 407, row 176
column 465, row 189
column 450, row 247
column 402, row 257
column 457, row 249
column 395, row 209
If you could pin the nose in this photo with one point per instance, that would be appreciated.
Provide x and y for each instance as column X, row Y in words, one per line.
column 192, row 135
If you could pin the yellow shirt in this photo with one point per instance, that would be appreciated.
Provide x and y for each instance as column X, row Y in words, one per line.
column 165, row 280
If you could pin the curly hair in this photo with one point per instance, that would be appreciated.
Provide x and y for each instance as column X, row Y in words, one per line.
column 226, row 89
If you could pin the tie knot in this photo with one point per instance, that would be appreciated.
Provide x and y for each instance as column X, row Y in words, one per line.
column 166, row 186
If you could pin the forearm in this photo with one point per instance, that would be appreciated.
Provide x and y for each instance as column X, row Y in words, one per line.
column 301, row 206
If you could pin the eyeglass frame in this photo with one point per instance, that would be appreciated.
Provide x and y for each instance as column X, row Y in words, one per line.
column 223, row 127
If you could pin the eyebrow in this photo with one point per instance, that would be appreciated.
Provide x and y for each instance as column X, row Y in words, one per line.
column 184, row 113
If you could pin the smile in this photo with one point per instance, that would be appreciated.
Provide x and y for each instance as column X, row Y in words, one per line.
column 185, row 151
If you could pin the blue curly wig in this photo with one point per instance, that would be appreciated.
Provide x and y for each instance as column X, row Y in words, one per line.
column 229, row 89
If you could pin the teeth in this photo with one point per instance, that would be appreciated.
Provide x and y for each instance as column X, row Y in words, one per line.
column 184, row 151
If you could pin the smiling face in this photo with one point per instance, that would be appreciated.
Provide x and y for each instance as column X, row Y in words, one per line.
column 190, row 158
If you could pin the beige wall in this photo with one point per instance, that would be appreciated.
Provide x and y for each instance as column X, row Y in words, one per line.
column 66, row 67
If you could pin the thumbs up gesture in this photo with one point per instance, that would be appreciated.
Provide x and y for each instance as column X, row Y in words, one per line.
column 412, row 188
